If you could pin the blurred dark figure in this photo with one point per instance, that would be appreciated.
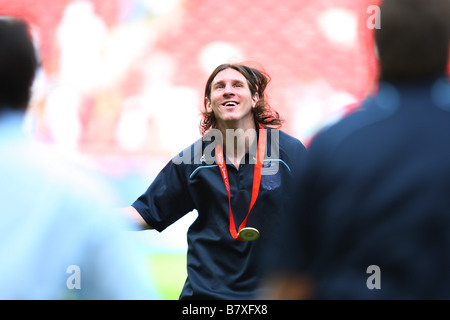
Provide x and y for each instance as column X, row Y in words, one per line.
column 372, row 218
column 53, row 243
column 17, row 65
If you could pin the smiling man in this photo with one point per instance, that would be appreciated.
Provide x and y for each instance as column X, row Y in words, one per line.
column 238, row 183
column 231, row 102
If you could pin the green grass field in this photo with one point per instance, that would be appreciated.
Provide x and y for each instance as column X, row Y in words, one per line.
column 169, row 272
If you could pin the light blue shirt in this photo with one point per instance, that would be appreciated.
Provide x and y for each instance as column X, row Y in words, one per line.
column 59, row 235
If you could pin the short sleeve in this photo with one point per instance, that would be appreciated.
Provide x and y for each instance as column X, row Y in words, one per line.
column 167, row 199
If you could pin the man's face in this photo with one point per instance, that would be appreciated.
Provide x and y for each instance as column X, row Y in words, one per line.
column 231, row 99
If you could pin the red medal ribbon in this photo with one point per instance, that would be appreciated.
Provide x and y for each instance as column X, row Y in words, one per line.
column 260, row 151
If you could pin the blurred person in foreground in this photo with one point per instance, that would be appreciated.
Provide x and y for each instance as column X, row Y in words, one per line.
column 237, row 176
column 373, row 208
column 53, row 243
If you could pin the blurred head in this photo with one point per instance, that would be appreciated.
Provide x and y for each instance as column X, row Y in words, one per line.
column 244, row 84
column 413, row 40
column 17, row 64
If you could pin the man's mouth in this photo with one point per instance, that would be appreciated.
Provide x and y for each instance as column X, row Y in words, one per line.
column 230, row 104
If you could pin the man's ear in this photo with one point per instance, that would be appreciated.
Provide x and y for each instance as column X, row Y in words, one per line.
column 255, row 99
column 208, row 105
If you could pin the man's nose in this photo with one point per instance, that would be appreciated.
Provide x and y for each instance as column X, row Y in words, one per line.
column 228, row 89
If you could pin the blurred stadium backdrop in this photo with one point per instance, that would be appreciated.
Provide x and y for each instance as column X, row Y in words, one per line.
column 121, row 81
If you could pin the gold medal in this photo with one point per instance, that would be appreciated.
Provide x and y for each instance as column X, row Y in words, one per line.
column 248, row 234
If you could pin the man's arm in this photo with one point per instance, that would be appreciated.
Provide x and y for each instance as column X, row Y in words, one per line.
column 132, row 215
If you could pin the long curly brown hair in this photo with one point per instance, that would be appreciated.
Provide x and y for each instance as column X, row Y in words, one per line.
column 257, row 82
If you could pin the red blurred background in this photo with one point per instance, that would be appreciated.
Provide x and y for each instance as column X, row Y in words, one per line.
column 125, row 78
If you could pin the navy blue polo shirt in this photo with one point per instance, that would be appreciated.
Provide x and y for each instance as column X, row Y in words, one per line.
column 219, row 266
